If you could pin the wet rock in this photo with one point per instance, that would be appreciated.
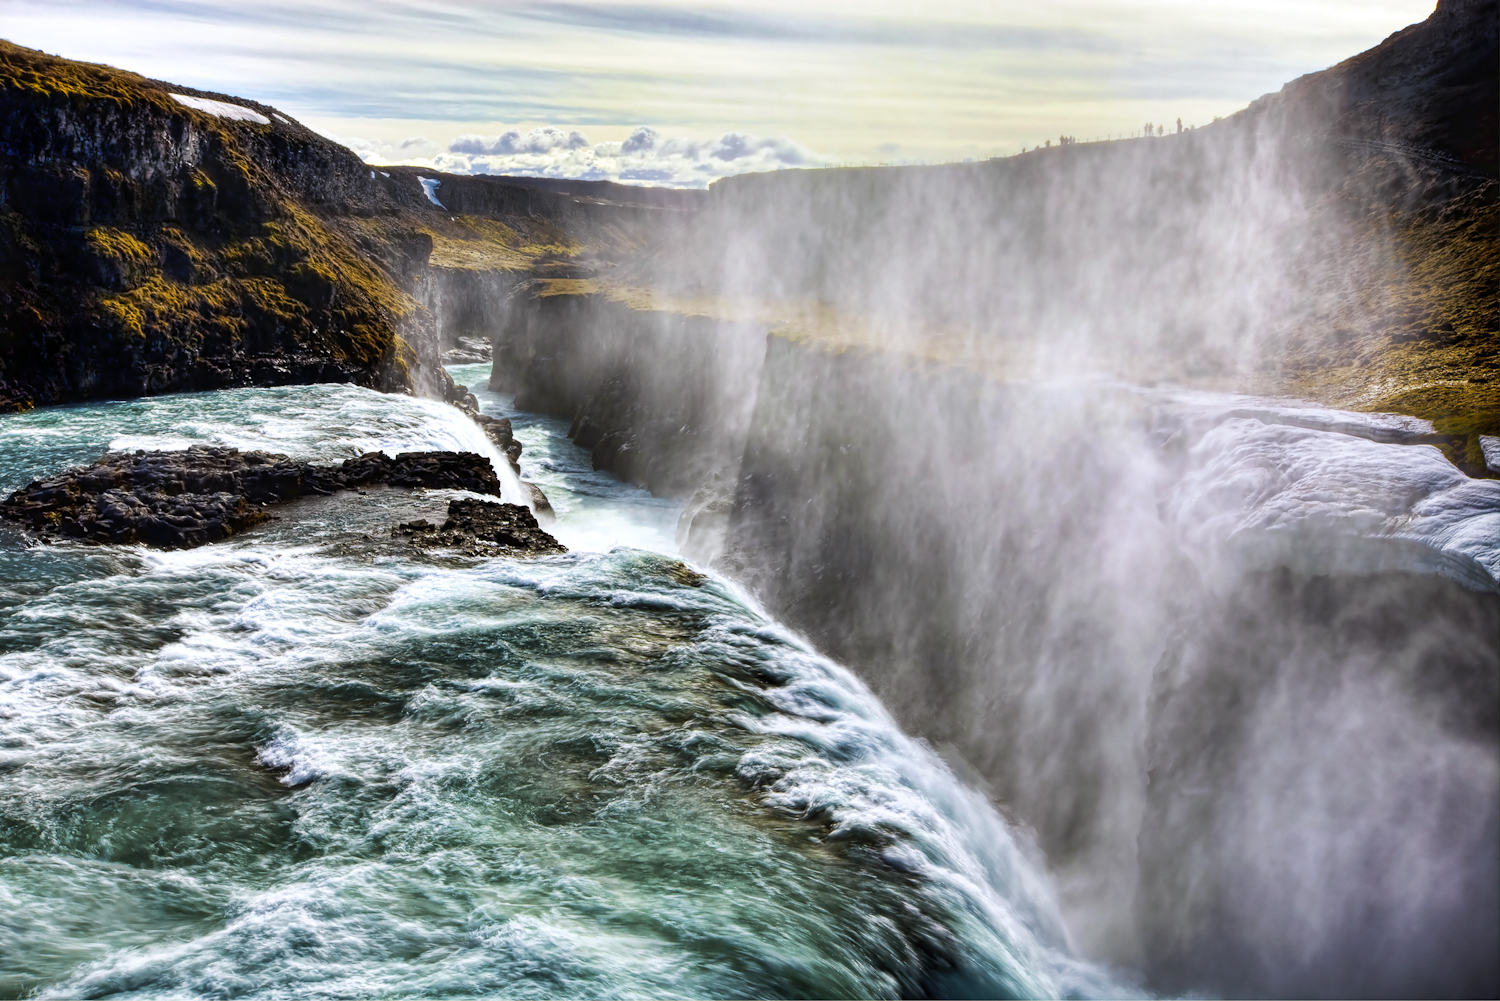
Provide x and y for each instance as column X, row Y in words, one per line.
column 177, row 500
column 498, row 430
column 539, row 502
column 458, row 395
column 468, row 351
column 480, row 528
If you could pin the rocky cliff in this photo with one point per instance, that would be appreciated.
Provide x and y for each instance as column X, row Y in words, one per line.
column 1335, row 242
column 156, row 238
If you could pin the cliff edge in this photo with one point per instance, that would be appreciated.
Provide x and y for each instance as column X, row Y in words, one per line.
column 156, row 238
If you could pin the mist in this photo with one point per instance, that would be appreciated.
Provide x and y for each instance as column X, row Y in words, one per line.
column 1027, row 443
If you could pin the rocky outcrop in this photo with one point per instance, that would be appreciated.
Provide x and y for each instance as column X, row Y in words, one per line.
column 1333, row 242
column 498, row 431
column 480, row 528
column 156, row 238
column 178, row 500
column 468, row 351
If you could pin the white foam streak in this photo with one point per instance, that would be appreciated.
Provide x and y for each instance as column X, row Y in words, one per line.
column 871, row 781
column 450, row 430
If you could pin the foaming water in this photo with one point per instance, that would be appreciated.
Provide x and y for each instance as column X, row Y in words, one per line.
column 325, row 423
column 596, row 511
column 298, row 765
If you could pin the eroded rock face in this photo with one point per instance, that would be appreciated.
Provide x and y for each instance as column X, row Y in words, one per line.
column 478, row 527
column 498, row 430
column 202, row 494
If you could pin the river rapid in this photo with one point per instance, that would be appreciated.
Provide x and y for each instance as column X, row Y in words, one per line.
column 289, row 765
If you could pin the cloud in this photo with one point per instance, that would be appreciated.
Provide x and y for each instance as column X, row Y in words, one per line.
column 983, row 76
column 537, row 142
column 833, row 26
column 644, row 157
column 643, row 138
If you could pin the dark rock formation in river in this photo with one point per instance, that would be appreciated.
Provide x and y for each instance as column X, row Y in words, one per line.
column 479, row 528
column 202, row 494
column 498, row 431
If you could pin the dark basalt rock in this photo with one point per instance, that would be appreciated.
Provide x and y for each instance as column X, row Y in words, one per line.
column 498, row 430
column 478, row 527
column 203, row 494
column 540, row 505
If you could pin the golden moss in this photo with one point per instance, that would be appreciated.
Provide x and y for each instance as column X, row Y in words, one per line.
column 402, row 360
column 1463, row 410
column 356, row 276
column 37, row 72
column 160, row 306
column 1435, row 351
column 479, row 243
column 270, row 297
column 118, row 245
column 298, row 280
column 308, row 253
column 44, row 75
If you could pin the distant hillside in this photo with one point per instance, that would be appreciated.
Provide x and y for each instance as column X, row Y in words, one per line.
column 1336, row 240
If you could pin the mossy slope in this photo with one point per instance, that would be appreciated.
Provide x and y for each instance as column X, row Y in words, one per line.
column 147, row 246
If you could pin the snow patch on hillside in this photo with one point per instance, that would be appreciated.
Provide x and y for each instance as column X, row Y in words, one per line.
column 429, row 186
column 221, row 108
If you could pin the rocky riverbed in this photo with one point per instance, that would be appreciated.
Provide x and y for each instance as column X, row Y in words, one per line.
column 203, row 494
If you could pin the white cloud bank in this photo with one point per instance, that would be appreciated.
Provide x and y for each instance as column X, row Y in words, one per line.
column 645, row 157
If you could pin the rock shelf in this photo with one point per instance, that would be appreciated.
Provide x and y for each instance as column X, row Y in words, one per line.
column 202, row 494
column 476, row 527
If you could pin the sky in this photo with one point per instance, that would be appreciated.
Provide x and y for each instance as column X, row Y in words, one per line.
column 683, row 91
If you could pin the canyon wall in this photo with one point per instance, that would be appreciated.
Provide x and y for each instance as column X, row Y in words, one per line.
column 991, row 434
column 995, row 561
column 148, row 245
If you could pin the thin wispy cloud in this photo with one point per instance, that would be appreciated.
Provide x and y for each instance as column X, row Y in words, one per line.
column 854, row 30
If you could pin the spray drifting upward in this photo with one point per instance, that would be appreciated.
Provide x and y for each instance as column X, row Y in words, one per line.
column 937, row 418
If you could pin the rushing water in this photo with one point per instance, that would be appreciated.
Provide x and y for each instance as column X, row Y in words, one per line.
column 299, row 765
